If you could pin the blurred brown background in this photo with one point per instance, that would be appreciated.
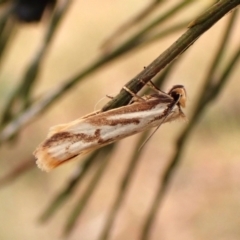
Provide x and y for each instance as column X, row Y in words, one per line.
column 203, row 201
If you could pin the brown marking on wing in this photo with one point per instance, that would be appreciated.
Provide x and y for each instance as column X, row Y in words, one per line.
column 97, row 133
column 61, row 137
column 47, row 162
column 165, row 113
column 113, row 122
column 150, row 103
column 104, row 117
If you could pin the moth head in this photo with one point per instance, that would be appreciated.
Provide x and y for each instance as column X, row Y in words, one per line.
column 178, row 93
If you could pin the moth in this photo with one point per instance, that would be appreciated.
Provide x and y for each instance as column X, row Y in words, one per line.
column 66, row 141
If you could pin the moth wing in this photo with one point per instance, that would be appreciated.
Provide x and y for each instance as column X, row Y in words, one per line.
column 64, row 142
column 64, row 127
column 46, row 161
column 95, row 130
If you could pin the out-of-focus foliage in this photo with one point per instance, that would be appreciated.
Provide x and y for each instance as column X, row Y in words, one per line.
column 183, row 183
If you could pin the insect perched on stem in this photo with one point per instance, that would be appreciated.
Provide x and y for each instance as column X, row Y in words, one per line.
column 98, row 129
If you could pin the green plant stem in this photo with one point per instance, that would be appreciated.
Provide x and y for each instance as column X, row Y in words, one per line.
column 177, row 48
column 164, row 32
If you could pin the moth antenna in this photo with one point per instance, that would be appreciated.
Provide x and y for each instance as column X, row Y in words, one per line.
column 107, row 96
column 148, row 138
column 101, row 99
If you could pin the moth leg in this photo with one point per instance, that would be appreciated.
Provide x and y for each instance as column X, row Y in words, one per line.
column 151, row 85
column 134, row 94
column 154, row 87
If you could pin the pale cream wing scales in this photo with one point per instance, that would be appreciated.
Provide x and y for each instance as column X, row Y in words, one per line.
column 62, row 127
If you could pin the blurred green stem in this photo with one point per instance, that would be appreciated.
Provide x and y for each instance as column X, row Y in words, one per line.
column 130, row 23
column 73, row 182
column 17, row 171
column 137, row 38
column 105, row 156
column 122, row 190
column 22, row 92
column 6, row 29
